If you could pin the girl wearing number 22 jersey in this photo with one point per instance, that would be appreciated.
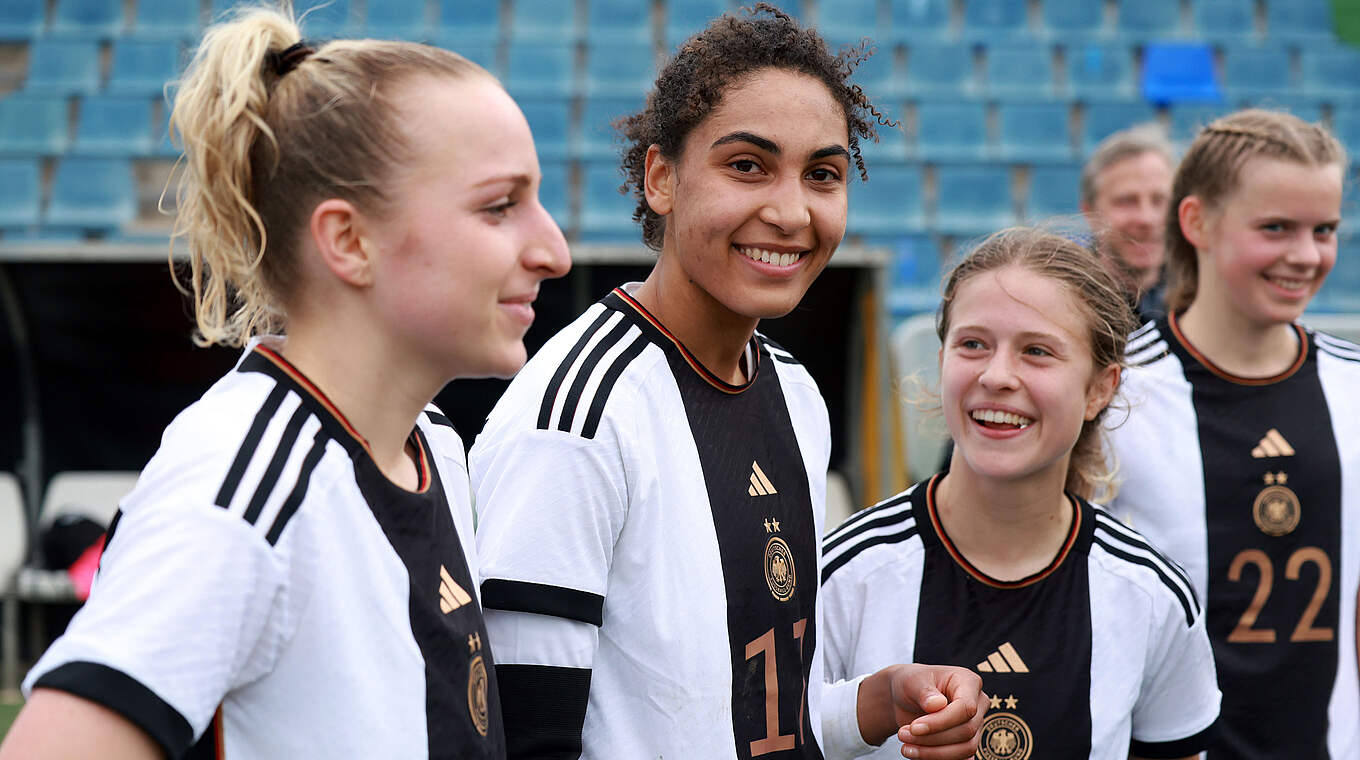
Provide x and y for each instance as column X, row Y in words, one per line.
column 1241, row 453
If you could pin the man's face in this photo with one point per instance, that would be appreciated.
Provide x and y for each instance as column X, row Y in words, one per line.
column 1129, row 212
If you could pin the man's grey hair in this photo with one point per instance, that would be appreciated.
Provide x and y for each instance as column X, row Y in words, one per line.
column 1148, row 137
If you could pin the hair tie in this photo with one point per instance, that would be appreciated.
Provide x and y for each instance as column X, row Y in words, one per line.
column 284, row 61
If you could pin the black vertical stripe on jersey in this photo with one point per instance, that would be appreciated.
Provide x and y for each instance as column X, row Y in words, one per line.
column 294, row 500
column 611, row 376
column 248, row 446
column 555, row 385
column 1231, row 419
column 578, row 384
column 421, row 530
column 730, row 431
column 961, row 620
column 275, row 467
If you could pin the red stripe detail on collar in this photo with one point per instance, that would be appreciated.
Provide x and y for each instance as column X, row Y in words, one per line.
column 963, row 562
column 1230, row 377
column 694, row 363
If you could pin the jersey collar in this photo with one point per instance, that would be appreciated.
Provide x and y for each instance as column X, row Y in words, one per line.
column 620, row 300
column 1224, row 374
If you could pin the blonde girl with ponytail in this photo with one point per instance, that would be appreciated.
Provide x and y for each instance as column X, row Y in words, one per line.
column 294, row 574
column 1088, row 640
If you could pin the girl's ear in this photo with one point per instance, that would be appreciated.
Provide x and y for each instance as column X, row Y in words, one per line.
column 659, row 181
column 1193, row 218
column 1100, row 392
column 337, row 230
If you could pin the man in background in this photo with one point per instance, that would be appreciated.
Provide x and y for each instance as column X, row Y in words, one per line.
column 1125, row 188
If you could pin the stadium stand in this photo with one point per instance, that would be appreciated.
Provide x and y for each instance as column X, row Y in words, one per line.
column 112, row 126
column 63, row 66
column 34, row 125
column 409, row 19
column 940, row 69
column 1141, row 20
column 951, row 130
column 142, row 66
column 1020, row 71
column 1100, row 71
column 21, row 20
column 96, row 194
column 1054, row 190
column 20, row 193
column 889, row 204
column 1064, row 20
column 464, row 21
column 1035, row 132
column 973, row 199
column 1224, row 20
column 918, row 20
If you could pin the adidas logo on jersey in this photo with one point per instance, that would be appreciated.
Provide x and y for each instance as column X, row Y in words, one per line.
column 1273, row 445
column 451, row 595
column 1004, row 660
column 760, row 485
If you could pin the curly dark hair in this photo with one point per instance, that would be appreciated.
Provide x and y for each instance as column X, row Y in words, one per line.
column 728, row 50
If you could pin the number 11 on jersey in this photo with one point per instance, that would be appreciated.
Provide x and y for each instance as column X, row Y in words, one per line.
column 775, row 741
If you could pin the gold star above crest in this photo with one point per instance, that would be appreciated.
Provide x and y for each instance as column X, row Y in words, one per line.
column 1281, row 478
column 775, row 523
column 1270, row 478
column 1012, row 702
column 767, row 527
column 996, row 703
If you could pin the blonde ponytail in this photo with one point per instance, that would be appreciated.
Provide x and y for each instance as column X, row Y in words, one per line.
column 263, row 144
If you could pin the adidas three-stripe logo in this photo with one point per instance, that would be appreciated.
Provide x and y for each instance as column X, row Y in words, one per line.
column 760, row 485
column 1272, row 445
column 575, row 397
column 451, row 595
column 287, row 451
column 1004, row 660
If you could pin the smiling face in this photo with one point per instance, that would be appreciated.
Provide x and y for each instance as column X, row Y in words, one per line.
column 1130, row 202
column 467, row 243
column 1017, row 380
column 1264, row 251
column 756, row 203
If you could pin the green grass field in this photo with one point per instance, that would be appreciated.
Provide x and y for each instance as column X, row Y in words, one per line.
column 7, row 712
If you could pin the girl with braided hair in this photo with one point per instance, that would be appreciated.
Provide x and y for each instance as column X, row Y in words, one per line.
column 1241, row 451
column 294, row 574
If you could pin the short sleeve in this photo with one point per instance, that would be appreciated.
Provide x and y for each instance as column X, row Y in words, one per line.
column 1179, row 701
column 184, row 609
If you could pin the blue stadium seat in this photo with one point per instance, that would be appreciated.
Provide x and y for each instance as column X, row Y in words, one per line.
column 1304, row 105
column 685, row 17
column 480, row 52
column 1331, row 71
column 951, row 130
column 167, row 18
column 540, row 68
column 891, row 146
column 62, row 67
column 1341, row 291
column 619, row 20
column 1100, row 71
column 1103, row 119
column 88, row 18
column 143, row 66
column 917, row 20
column 1065, row 20
column 34, row 125
column 92, row 194
column 1035, row 132
column 1150, row 19
column 1054, row 190
column 1346, row 127
column 606, row 213
column 21, row 19
column 323, row 19
column 848, row 20
column 619, row 67
column 1178, row 72
column 20, row 193
column 544, row 20
column 1188, row 118
column 114, row 126
column 409, row 20
column 915, row 273
column 1020, row 71
column 597, row 138
column 554, row 192
column 462, row 20
column 987, row 20
column 879, row 75
column 890, row 203
column 1254, row 71
column 1299, row 20
column 549, row 119
column 973, row 199
column 940, row 68
column 1225, row 20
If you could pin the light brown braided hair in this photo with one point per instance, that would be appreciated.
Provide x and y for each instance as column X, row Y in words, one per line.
column 1212, row 169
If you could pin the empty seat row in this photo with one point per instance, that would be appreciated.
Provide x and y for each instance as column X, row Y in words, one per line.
column 107, row 125
column 87, row 194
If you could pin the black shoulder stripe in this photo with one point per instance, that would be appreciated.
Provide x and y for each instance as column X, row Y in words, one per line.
column 864, row 526
column 248, row 446
column 294, row 500
column 578, row 384
column 271, row 473
column 867, row 513
column 1154, row 354
column 439, row 419
column 554, row 385
column 1188, row 603
column 596, row 412
column 854, row 551
column 1341, row 349
column 126, row 696
column 542, row 599
column 1137, row 342
column 1146, row 327
column 1123, row 533
column 1191, row 745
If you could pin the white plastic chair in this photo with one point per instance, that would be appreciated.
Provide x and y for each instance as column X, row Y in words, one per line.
column 13, row 552
column 915, row 354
